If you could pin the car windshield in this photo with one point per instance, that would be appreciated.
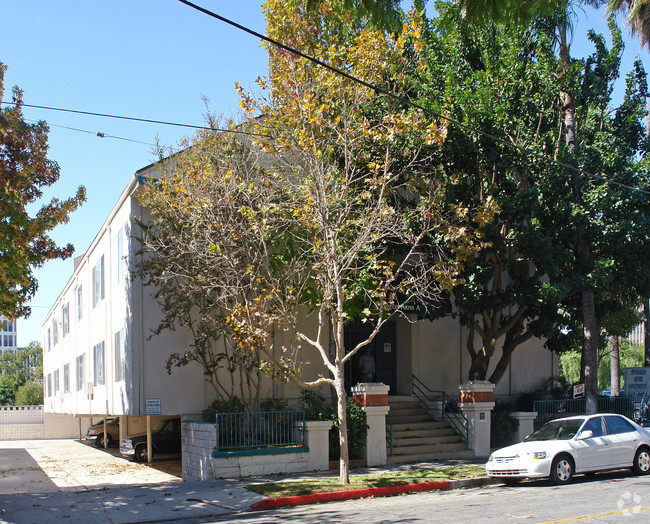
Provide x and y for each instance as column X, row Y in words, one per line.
column 557, row 430
column 159, row 426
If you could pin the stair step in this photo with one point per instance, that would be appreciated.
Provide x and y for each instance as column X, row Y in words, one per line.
column 418, row 426
column 431, row 457
column 428, row 448
column 420, row 440
column 428, row 433
column 415, row 410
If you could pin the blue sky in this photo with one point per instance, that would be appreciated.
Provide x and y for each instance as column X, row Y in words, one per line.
column 151, row 59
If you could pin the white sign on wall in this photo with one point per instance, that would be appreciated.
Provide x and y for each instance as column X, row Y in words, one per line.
column 153, row 406
column 636, row 382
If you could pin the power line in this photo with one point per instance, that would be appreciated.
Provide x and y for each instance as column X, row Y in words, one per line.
column 96, row 133
column 135, row 119
column 405, row 100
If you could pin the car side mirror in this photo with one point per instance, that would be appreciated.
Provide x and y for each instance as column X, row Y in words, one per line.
column 585, row 434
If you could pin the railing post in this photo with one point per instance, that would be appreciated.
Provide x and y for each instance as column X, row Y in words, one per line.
column 476, row 403
column 373, row 398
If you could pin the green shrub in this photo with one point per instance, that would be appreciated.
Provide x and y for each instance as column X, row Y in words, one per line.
column 29, row 394
column 503, row 426
column 274, row 404
column 222, row 405
column 312, row 402
column 357, row 429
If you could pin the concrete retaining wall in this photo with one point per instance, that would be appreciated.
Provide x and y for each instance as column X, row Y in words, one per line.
column 199, row 438
column 32, row 423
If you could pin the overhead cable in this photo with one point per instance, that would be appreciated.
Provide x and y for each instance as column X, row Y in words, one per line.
column 135, row 119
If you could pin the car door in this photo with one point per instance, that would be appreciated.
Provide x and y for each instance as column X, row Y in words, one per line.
column 594, row 452
column 624, row 439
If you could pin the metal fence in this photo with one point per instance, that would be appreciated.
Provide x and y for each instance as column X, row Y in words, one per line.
column 260, row 432
column 548, row 410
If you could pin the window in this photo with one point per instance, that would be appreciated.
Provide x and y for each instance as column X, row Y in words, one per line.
column 595, row 425
column 80, row 372
column 80, row 302
column 98, row 364
column 66, row 378
column 49, row 385
column 56, row 381
column 119, row 254
column 66, row 319
column 617, row 425
column 98, row 282
column 55, row 332
column 120, row 356
column 49, row 339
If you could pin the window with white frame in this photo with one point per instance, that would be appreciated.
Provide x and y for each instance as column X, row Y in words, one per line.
column 66, row 319
column 120, row 355
column 80, row 302
column 66, row 378
column 49, row 384
column 98, row 282
column 56, row 381
column 80, row 372
column 49, row 339
column 98, row 364
column 119, row 256
column 55, row 332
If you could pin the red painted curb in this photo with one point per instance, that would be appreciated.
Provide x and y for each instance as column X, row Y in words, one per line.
column 384, row 491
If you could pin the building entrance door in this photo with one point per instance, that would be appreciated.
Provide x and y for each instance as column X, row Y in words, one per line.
column 382, row 350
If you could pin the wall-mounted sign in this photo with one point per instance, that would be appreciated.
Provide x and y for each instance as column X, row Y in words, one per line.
column 387, row 347
column 636, row 382
column 578, row 391
column 152, row 406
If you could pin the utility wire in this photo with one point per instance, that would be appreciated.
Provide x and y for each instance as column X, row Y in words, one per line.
column 405, row 100
column 146, row 120
column 100, row 134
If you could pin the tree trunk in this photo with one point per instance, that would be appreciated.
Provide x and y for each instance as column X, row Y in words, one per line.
column 646, row 332
column 615, row 363
column 344, row 468
column 589, row 368
column 590, row 351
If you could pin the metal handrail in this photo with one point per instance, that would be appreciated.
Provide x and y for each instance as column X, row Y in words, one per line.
column 449, row 407
column 389, row 437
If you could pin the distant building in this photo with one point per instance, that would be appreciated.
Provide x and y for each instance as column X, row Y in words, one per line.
column 637, row 335
column 8, row 335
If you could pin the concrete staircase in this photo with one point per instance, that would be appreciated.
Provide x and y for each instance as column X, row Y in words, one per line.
column 419, row 438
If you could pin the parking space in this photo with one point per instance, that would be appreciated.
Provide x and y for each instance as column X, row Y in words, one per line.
column 51, row 465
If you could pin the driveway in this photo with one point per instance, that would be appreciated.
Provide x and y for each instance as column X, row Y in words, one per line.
column 50, row 465
column 74, row 482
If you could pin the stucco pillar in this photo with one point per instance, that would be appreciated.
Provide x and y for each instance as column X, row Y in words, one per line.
column 373, row 398
column 476, row 403
column 526, row 424
column 317, row 435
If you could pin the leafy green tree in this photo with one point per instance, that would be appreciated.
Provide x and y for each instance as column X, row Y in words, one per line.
column 24, row 240
column 17, row 368
column 29, row 394
column 332, row 216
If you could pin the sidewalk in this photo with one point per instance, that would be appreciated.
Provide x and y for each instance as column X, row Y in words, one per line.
column 67, row 481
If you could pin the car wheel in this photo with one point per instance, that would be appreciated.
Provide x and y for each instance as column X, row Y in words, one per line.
column 99, row 441
column 141, row 453
column 562, row 469
column 641, row 464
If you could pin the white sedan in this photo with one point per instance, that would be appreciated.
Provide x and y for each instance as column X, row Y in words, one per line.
column 584, row 444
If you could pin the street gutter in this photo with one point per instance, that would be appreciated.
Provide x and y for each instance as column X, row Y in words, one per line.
column 384, row 491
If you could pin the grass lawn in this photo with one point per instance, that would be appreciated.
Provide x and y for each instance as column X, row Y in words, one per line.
column 392, row 478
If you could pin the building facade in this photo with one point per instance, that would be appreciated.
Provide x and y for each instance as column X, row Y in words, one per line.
column 8, row 335
column 99, row 356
